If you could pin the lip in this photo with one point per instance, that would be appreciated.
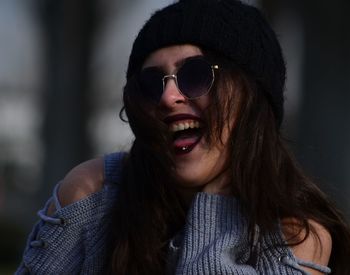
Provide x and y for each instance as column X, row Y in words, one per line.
column 181, row 117
column 169, row 119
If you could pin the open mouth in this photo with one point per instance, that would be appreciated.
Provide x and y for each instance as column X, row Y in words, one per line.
column 186, row 135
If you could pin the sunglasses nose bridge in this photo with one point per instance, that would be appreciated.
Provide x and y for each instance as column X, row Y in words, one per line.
column 169, row 77
column 171, row 93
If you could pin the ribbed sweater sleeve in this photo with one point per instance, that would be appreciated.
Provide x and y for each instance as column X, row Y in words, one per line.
column 65, row 247
column 74, row 239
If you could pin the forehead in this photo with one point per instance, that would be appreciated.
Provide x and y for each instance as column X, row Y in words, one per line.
column 169, row 57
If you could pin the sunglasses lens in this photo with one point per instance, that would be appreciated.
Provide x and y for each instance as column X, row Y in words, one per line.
column 195, row 78
column 151, row 84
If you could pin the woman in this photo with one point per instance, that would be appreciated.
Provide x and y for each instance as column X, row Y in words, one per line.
column 208, row 186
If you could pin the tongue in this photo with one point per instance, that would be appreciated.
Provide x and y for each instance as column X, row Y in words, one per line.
column 186, row 138
column 185, row 141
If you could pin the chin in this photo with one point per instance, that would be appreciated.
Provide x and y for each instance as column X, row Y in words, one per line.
column 190, row 180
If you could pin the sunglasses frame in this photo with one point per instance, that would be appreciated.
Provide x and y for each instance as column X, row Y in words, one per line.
column 165, row 78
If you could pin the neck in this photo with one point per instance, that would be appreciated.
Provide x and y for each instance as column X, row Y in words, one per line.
column 187, row 194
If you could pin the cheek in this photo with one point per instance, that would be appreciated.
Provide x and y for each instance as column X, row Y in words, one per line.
column 203, row 102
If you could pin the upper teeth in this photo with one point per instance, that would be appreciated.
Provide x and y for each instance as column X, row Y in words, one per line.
column 179, row 126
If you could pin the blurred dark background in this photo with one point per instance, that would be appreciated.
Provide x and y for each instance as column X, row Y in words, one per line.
column 62, row 68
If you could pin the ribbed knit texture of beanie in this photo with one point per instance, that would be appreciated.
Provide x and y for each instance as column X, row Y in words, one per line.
column 230, row 28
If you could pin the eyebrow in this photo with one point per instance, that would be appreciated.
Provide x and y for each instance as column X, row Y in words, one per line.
column 178, row 63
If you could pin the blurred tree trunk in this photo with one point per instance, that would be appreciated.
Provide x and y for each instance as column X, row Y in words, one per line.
column 68, row 28
column 323, row 135
column 325, row 113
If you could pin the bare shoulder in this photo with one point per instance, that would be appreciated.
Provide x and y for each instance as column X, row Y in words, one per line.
column 82, row 181
column 317, row 246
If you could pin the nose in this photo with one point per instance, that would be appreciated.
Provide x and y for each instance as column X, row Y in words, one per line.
column 171, row 95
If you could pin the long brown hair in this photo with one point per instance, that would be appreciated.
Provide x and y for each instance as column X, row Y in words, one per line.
column 149, row 211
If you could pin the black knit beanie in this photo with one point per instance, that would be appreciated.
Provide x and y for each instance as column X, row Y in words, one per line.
column 230, row 28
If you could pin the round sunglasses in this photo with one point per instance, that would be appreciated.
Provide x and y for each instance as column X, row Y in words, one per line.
column 193, row 79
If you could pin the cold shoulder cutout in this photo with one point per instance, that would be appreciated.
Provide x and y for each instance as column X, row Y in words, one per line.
column 316, row 247
column 83, row 180
column 86, row 179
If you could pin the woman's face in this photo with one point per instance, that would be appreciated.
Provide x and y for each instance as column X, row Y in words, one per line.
column 196, row 163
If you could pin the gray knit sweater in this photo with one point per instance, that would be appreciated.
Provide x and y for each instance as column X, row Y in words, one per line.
column 214, row 240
